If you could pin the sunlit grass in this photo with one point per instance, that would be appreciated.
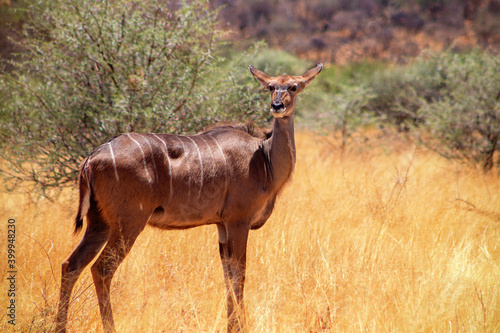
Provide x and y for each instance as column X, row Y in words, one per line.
column 391, row 239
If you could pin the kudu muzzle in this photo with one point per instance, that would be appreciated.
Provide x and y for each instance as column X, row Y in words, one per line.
column 277, row 107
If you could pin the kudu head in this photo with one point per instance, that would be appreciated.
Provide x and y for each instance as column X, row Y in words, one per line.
column 285, row 88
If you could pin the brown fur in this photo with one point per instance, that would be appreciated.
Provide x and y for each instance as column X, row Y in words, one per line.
column 248, row 127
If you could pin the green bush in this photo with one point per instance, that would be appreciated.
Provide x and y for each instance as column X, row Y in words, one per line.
column 463, row 122
column 92, row 70
column 398, row 92
column 450, row 100
column 348, row 116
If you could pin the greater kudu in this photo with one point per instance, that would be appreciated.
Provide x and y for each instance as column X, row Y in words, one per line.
column 225, row 176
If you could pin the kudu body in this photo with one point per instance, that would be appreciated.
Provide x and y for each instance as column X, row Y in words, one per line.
column 224, row 176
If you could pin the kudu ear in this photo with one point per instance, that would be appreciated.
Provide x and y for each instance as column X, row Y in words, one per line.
column 262, row 77
column 309, row 75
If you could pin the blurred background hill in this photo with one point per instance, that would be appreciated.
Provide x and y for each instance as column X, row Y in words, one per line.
column 343, row 31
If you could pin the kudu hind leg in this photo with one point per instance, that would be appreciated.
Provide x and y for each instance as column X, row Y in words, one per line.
column 232, row 249
column 94, row 238
column 104, row 268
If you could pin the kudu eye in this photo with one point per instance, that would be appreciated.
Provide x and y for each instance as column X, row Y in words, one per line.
column 294, row 87
column 271, row 88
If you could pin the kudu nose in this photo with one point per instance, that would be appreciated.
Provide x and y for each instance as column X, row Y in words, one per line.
column 277, row 105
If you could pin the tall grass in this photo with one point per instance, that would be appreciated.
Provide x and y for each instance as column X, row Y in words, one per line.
column 378, row 240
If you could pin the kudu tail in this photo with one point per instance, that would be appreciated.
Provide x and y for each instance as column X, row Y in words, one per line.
column 85, row 189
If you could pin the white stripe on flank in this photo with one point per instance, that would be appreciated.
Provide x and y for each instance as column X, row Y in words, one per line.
column 227, row 172
column 152, row 157
column 169, row 165
column 143, row 158
column 211, row 153
column 220, row 149
column 201, row 165
column 187, row 164
column 114, row 161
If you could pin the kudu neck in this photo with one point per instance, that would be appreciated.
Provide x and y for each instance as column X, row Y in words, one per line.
column 282, row 150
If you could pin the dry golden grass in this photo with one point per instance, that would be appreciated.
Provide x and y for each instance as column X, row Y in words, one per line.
column 394, row 240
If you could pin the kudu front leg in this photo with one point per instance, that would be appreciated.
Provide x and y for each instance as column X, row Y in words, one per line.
column 232, row 249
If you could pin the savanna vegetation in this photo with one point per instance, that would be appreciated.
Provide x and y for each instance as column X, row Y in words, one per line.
column 393, row 238
column 390, row 224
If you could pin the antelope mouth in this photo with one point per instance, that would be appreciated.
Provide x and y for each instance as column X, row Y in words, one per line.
column 280, row 113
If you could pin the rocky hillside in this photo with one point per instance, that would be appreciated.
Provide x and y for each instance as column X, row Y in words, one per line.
column 342, row 31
